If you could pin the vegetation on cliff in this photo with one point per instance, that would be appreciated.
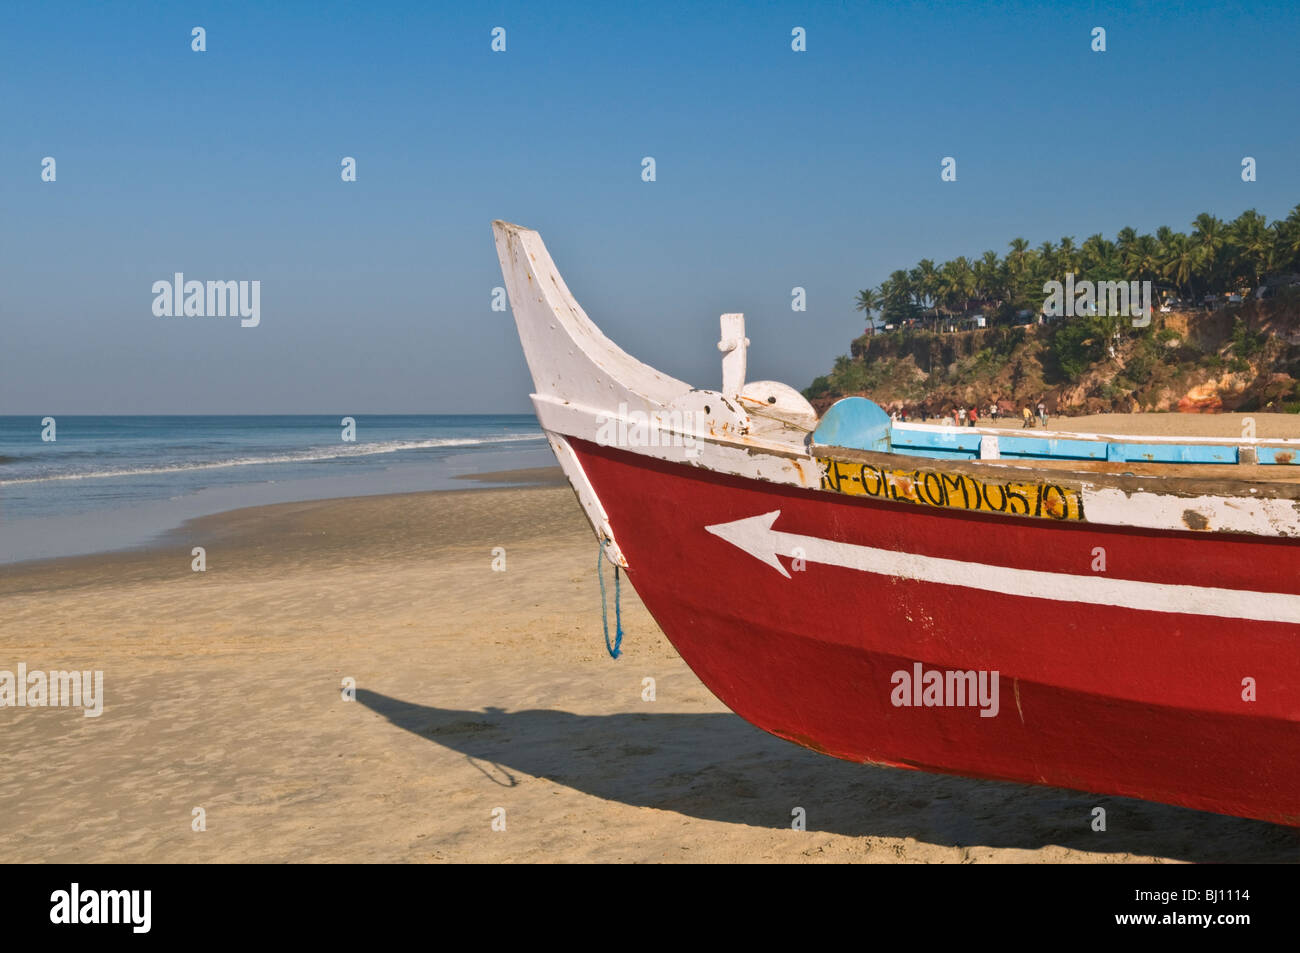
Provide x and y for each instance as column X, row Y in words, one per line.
column 1241, row 357
column 1215, row 347
column 1214, row 258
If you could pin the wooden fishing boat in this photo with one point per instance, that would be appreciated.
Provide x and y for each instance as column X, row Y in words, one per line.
column 1111, row 614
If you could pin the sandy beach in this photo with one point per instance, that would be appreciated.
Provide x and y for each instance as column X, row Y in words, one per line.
column 476, row 690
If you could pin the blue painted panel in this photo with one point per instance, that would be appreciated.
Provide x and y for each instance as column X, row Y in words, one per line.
column 859, row 423
column 854, row 422
column 1279, row 455
column 935, row 453
column 1015, row 447
column 1176, row 453
column 1028, row 447
column 953, row 439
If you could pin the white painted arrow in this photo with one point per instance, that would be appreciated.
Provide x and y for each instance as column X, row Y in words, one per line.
column 756, row 536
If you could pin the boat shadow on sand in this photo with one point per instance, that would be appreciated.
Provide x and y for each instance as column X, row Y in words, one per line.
column 718, row 767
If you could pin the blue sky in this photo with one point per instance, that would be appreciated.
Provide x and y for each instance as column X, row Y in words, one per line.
column 775, row 169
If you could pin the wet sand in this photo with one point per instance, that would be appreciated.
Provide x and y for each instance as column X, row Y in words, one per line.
column 476, row 690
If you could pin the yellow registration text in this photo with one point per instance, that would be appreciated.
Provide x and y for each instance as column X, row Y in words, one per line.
column 952, row 490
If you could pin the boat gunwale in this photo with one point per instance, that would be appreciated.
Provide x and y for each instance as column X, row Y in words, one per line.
column 1047, row 435
column 1247, row 482
column 1267, row 482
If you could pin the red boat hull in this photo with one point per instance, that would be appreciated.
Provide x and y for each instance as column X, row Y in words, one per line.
column 1098, row 698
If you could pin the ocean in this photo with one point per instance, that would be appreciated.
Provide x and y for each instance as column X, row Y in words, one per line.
column 109, row 482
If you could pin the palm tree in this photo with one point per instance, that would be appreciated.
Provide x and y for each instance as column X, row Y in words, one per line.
column 1254, row 245
column 1067, row 256
column 1018, row 260
column 1125, row 246
column 1144, row 259
column 868, row 301
column 914, row 286
column 1178, row 262
column 1287, row 243
column 1098, row 258
column 896, row 297
column 900, row 284
column 988, row 277
column 887, row 294
column 1048, row 268
column 958, row 282
column 1209, row 238
column 927, row 280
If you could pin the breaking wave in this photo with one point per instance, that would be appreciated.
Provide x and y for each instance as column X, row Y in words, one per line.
column 294, row 456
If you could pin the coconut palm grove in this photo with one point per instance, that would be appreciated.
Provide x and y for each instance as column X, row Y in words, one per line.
column 1226, row 335
column 1215, row 257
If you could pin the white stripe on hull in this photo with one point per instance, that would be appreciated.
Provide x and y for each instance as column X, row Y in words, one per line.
column 756, row 537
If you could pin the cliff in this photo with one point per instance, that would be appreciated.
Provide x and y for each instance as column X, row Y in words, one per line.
column 1241, row 358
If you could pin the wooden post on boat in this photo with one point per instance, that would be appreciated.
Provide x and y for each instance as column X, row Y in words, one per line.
column 734, row 347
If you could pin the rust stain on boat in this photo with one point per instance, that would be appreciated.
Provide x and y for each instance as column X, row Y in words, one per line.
column 1194, row 520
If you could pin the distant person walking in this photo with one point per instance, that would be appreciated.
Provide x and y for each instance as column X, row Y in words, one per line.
column 973, row 416
column 1029, row 418
column 993, row 411
column 1042, row 413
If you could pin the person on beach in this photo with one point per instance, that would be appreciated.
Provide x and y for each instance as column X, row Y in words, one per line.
column 993, row 411
column 974, row 416
column 1042, row 414
column 1029, row 418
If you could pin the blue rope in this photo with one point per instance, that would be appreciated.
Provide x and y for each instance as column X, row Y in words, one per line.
column 616, row 649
